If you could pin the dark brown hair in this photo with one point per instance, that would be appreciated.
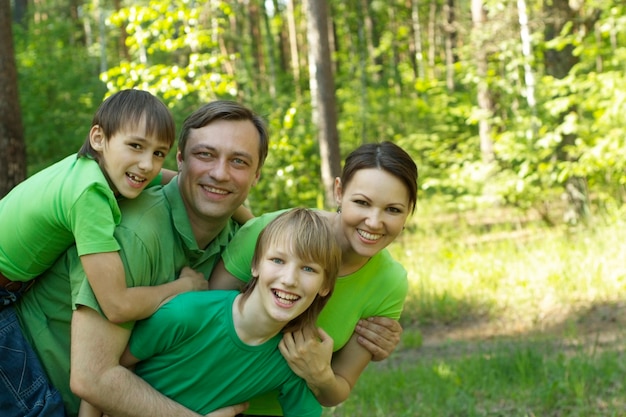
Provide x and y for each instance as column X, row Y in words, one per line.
column 131, row 107
column 224, row 110
column 388, row 157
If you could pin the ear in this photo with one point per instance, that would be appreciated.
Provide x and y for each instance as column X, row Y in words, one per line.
column 338, row 190
column 255, row 272
column 179, row 159
column 97, row 140
column 256, row 178
column 323, row 292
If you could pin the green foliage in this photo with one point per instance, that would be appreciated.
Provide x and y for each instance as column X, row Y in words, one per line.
column 287, row 177
column 59, row 91
column 188, row 53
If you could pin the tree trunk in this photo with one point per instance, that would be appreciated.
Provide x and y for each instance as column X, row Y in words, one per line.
column 416, row 26
column 271, row 48
column 558, row 63
column 20, row 10
column 323, row 94
column 293, row 46
column 485, row 102
column 259, row 76
column 450, row 42
column 13, row 150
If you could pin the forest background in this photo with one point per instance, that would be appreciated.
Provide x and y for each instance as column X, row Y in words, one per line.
column 513, row 111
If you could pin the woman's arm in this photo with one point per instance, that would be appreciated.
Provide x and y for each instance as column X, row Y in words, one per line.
column 221, row 279
column 330, row 376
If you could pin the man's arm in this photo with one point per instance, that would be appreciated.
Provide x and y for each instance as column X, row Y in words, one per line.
column 97, row 377
column 379, row 335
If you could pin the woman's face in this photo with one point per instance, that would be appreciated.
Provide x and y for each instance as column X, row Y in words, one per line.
column 374, row 207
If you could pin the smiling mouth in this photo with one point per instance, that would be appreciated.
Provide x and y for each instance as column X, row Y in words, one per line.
column 368, row 235
column 135, row 178
column 284, row 297
column 215, row 190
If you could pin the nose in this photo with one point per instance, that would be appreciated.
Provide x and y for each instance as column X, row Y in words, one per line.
column 219, row 170
column 290, row 276
column 374, row 219
column 145, row 163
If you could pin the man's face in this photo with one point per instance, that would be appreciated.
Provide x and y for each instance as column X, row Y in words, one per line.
column 220, row 165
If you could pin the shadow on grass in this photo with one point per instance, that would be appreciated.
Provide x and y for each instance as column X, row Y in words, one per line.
column 573, row 367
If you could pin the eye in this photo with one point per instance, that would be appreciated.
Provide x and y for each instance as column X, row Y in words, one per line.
column 204, row 154
column 135, row 146
column 277, row 261
column 394, row 210
column 309, row 269
column 361, row 203
column 159, row 154
column 240, row 163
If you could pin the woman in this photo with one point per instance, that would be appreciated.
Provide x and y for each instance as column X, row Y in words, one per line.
column 375, row 195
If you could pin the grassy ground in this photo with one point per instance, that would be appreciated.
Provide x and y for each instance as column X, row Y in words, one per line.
column 524, row 322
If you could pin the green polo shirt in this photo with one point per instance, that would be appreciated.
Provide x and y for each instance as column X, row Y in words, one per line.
column 68, row 202
column 157, row 242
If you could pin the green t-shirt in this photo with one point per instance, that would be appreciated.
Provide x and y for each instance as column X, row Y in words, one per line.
column 379, row 288
column 156, row 243
column 190, row 352
column 66, row 203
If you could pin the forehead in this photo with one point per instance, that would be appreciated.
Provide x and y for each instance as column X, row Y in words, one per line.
column 231, row 136
column 377, row 183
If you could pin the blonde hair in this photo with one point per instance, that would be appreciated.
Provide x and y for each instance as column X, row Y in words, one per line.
column 311, row 239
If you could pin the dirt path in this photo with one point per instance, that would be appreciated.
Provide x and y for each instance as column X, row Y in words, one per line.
column 594, row 328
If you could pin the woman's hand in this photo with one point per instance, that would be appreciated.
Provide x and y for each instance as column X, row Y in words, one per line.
column 379, row 335
column 308, row 355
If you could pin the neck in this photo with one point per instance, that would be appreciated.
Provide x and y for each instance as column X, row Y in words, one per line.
column 253, row 326
column 205, row 230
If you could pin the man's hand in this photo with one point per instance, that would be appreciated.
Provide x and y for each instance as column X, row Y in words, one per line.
column 379, row 335
column 230, row 411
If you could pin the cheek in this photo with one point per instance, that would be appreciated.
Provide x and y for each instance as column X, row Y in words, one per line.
column 396, row 226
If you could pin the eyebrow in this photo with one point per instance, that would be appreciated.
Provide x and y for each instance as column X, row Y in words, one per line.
column 161, row 145
column 365, row 197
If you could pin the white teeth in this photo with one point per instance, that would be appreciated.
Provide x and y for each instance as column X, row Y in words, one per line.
column 215, row 190
column 135, row 178
column 286, row 297
column 369, row 236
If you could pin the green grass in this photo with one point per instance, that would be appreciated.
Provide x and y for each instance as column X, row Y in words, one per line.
column 546, row 314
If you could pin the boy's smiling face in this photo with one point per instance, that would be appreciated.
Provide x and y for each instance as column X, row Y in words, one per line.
column 131, row 159
column 287, row 285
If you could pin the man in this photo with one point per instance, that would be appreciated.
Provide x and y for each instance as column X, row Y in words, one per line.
column 221, row 150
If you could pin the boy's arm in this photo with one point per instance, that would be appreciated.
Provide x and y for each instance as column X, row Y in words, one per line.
column 167, row 175
column 242, row 214
column 119, row 303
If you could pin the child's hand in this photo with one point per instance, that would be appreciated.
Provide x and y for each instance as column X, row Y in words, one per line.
column 196, row 280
